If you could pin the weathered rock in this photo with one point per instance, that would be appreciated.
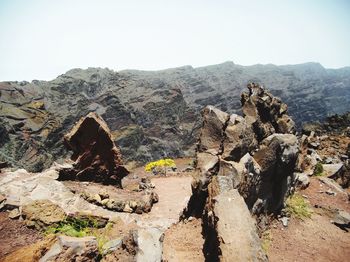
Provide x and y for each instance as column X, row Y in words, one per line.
column 235, row 229
column 241, row 175
column 231, row 170
column 96, row 157
column 14, row 213
column 72, row 249
column 302, row 180
column 266, row 113
column 206, row 162
column 343, row 177
column 342, row 219
column 42, row 213
column 214, row 124
column 239, row 138
column 150, row 243
column 267, row 176
column 277, row 158
column 332, row 170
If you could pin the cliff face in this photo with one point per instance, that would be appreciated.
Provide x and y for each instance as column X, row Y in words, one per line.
column 152, row 114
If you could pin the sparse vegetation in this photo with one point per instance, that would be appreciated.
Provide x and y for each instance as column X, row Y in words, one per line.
column 318, row 170
column 162, row 163
column 76, row 227
column 73, row 227
column 298, row 207
column 266, row 240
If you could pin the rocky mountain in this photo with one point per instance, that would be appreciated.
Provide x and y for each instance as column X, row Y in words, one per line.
column 152, row 114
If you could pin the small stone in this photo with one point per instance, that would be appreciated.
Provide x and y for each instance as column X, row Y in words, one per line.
column 302, row 180
column 284, row 221
column 103, row 195
column 127, row 209
column 341, row 219
column 96, row 198
column 14, row 213
column 104, row 201
column 133, row 204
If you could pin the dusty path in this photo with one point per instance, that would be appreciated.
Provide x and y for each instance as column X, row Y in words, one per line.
column 174, row 193
column 182, row 241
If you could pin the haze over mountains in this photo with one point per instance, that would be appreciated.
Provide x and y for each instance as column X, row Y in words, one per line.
column 152, row 113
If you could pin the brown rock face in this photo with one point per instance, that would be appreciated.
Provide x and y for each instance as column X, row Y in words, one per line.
column 265, row 112
column 94, row 152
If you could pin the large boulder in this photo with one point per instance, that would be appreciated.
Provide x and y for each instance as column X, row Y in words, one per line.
column 94, row 152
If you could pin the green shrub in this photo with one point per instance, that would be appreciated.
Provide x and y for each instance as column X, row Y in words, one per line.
column 73, row 227
column 298, row 207
column 318, row 170
column 76, row 227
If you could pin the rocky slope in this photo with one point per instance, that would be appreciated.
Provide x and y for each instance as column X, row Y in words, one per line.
column 145, row 110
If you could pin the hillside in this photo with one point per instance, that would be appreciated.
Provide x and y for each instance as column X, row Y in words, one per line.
column 152, row 114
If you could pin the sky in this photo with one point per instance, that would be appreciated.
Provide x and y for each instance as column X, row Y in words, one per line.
column 41, row 39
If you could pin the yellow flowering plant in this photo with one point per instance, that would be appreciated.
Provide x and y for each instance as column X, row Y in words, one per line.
column 167, row 162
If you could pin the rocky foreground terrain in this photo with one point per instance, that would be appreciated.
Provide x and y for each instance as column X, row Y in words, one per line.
column 145, row 110
column 255, row 191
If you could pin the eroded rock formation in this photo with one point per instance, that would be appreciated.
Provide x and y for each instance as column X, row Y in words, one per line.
column 251, row 158
column 94, row 152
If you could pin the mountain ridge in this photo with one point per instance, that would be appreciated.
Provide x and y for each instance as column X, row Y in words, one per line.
column 147, row 109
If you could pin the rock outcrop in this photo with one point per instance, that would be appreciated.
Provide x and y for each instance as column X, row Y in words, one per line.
column 250, row 158
column 94, row 152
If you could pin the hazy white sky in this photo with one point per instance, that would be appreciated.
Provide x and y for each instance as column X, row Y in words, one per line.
column 41, row 39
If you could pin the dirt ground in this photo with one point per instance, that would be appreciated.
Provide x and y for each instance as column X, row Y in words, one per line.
column 184, row 242
column 14, row 235
column 315, row 239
